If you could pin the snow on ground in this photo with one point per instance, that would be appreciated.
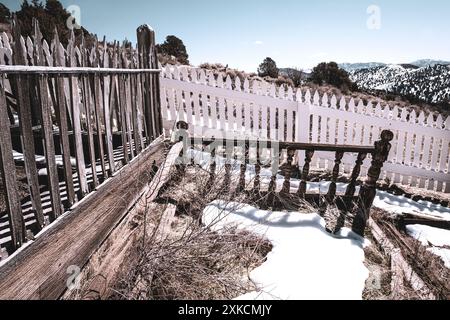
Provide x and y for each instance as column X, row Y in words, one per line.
column 306, row 262
column 314, row 234
column 436, row 240
column 41, row 159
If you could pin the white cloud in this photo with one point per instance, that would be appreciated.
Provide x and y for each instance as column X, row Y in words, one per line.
column 258, row 42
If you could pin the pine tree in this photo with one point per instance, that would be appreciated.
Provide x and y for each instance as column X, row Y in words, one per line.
column 174, row 46
column 268, row 68
column 5, row 14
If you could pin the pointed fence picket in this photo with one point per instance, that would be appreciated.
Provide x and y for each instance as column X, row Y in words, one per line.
column 215, row 106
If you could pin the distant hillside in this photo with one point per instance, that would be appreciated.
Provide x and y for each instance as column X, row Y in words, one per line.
column 429, row 63
column 430, row 84
column 358, row 66
column 349, row 67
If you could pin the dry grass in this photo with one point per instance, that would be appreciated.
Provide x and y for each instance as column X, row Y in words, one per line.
column 430, row 268
column 199, row 264
column 194, row 261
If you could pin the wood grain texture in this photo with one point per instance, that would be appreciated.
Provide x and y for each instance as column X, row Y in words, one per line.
column 39, row 270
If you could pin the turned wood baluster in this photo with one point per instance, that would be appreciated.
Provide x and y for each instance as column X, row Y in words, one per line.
column 337, row 163
column 276, row 154
column 305, row 173
column 212, row 166
column 228, row 154
column 355, row 174
column 368, row 189
column 257, row 182
column 243, row 166
column 288, row 171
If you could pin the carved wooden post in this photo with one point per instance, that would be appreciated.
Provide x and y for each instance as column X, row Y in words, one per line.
column 332, row 190
column 257, row 182
column 212, row 166
column 182, row 135
column 228, row 155
column 273, row 180
column 355, row 174
column 305, row 173
column 288, row 172
column 368, row 189
column 243, row 167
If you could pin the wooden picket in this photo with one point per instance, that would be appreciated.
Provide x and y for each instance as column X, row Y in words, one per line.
column 420, row 153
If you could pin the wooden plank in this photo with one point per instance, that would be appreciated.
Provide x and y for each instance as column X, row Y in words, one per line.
column 98, row 103
column 123, row 122
column 298, row 145
column 40, row 270
column 25, row 125
column 107, row 116
column 63, row 129
column 72, row 71
column 76, row 124
column 47, row 131
column 137, row 134
column 156, row 85
column 8, row 174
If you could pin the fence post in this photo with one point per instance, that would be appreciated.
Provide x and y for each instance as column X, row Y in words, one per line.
column 150, row 83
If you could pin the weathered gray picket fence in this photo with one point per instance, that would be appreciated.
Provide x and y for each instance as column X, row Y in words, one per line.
column 71, row 117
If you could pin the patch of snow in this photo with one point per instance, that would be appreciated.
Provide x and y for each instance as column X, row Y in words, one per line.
column 41, row 159
column 443, row 253
column 429, row 235
column 383, row 200
column 437, row 240
column 401, row 204
column 306, row 262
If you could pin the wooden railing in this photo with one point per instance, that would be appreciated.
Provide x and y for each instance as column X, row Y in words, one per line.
column 215, row 103
column 88, row 111
column 239, row 150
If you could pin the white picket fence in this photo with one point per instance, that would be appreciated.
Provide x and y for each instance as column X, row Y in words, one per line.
column 217, row 105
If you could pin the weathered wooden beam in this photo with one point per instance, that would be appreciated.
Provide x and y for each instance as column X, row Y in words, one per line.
column 8, row 174
column 123, row 122
column 62, row 122
column 39, row 271
column 76, row 116
column 39, row 70
column 103, row 269
column 296, row 145
column 24, row 111
column 106, row 88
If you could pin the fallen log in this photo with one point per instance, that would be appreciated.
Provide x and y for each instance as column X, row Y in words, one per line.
column 417, row 218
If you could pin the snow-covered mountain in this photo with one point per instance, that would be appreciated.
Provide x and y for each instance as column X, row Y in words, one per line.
column 358, row 66
column 430, row 83
column 349, row 67
column 429, row 63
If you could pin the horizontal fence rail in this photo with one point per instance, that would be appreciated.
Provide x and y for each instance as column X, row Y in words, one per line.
column 217, row 105
column 71, row 117
column 69, row 70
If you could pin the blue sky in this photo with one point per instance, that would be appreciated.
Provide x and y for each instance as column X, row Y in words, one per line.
column 294, row 33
